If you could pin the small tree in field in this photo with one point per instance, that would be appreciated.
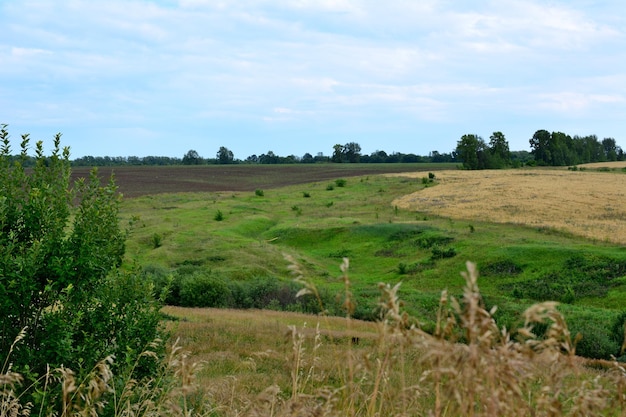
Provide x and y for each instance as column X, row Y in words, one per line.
column 60, row 248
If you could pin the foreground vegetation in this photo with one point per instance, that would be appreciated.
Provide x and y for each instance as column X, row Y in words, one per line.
column 64, row 302
column 271, row 364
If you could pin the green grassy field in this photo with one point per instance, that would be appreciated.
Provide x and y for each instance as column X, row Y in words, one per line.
column 212, row 240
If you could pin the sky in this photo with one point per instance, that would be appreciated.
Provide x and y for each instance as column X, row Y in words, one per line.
column 160, row 78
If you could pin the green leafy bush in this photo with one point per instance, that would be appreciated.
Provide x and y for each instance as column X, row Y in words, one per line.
column 204, row 290
column 156, row 240
column 60, row 248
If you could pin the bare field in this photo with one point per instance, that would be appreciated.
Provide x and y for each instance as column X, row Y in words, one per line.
column 135, row 181
column 589, row 204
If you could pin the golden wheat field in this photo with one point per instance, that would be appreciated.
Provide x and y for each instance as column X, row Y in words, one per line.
column 586, row 203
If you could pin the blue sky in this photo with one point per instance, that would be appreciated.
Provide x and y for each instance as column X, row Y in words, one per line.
column 142, row 78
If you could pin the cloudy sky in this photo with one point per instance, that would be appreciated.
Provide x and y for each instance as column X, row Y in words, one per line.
column 294, row 76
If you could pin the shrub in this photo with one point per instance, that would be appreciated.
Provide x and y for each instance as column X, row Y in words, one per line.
column 259, row 193
column 306, row 194
column 340, row 182
column 440, row 252
column 160, row 278
column 60, row 249
column 157, row 240
column 596, row 340
column 219, row 216
column 204, row 290
column 330, row 187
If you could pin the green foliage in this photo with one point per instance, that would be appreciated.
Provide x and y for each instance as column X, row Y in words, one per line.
column 441, row 252
column 157, row 240
column 595, row 342
column 306, row 194
column 259, row 193
column 618, row 334
column 193, row 286
column 560, row 149
column 219, row 216
column 203, row 290
column 60, row 249
column 224, row 156
column 504, row 267
column 476, row 154
column 340, row 182
column 580, row 276
column 330, row 187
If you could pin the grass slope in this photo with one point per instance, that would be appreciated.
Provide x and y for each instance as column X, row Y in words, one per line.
column 243, row 236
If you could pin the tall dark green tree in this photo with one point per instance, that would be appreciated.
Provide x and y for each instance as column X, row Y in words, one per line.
column 60, row 248
column 225, row 156
column 352, row 151
column 473, row 152
column 610, row 149
column 192, row 158
column 540, row 147
column 499, row 150
column 338, row 154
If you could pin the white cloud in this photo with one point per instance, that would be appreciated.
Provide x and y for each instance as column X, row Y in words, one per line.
column 336, row 64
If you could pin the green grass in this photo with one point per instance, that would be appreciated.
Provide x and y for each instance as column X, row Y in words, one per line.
column 384, row 244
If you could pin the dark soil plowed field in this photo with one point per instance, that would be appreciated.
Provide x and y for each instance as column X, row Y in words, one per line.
column 134, row 181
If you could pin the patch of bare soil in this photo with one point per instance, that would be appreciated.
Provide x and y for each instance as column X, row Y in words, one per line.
column 134, row 181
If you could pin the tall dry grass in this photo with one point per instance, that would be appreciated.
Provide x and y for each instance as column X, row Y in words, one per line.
column 467, row 367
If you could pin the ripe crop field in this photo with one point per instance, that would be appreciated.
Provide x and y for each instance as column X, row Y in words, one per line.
column 584, row 203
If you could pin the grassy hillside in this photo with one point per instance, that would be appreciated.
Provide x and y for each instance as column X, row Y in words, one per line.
column 228, row 249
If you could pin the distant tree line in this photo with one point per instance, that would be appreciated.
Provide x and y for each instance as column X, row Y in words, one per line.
column 472, row 151
column 547, row 149
column 348, row 153
column 560, row 149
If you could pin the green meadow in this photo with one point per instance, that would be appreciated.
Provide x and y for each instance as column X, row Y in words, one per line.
column 237, row 250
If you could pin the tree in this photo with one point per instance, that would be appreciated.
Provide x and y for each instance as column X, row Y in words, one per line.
column 60, row 249
column 499, row 150
column 307, row 158
column 338, row 155
column 610, row 149
column 192, row 158
column 225, row 156
column 352, row 152
column 471, row 150
column 540, row 147
column 269, row 158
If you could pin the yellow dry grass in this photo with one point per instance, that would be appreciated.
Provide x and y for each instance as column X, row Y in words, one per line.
column 589, row 204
